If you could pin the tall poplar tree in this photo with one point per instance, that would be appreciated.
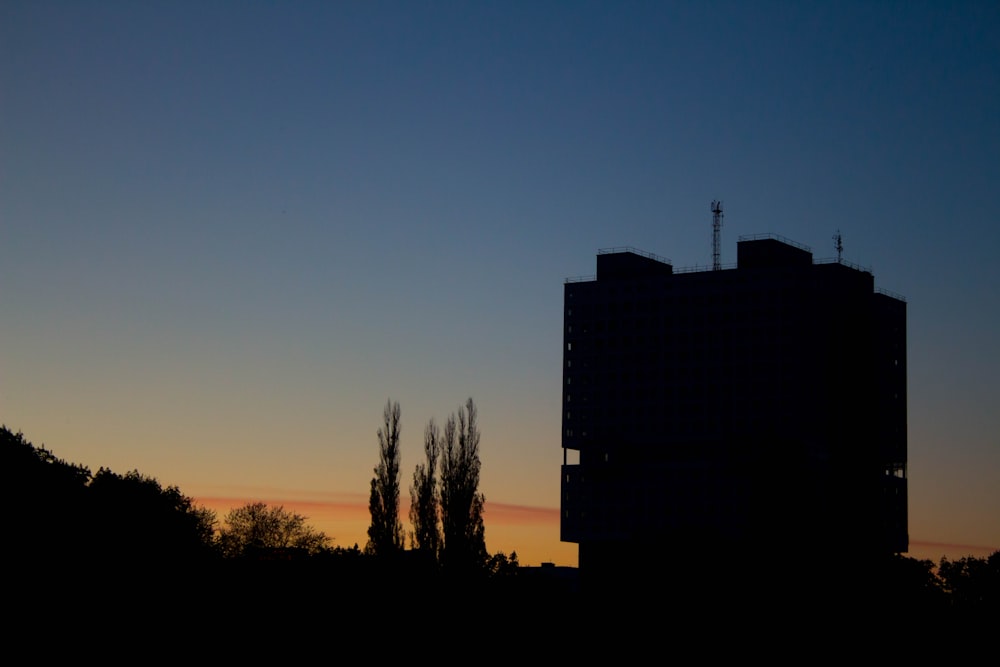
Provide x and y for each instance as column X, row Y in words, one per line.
column 385, row 534
column 424, row 500
column 464, row 546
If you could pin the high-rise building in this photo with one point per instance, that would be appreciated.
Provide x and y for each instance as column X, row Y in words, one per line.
column 743, row 410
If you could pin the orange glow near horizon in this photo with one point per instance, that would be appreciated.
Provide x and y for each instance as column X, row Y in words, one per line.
column 935, row 551
column 530, row 532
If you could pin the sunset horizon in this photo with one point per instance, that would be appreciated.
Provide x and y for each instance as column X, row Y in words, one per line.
column 231, row 232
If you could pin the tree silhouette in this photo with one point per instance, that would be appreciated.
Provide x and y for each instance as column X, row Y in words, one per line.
column 54, row 533
column 424, row 500
column 136, row 519
column 385, row 534
column 502, row 565
column 464, row 546
column 258, row 531
column 972, row 584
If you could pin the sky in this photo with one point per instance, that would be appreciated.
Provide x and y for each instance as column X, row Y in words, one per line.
column 231, row 231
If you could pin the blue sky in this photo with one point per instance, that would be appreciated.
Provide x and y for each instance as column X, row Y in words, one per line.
column 230, row 231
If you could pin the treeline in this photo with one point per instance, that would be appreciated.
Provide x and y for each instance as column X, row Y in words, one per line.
column 115, row 532
column 71, row 520
column 77, row 534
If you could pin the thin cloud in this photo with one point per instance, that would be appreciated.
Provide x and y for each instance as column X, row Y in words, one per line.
column 354, row 507
column 350, row 504
column 225, row 503
column 519, row 514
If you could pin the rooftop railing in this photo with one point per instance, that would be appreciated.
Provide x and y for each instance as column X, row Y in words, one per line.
column 835, row 260
column 697, row 268
column 708, row 269
column 894, row 295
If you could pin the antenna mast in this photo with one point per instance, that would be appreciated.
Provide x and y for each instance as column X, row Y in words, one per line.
column 840, row 245
column 716, row 231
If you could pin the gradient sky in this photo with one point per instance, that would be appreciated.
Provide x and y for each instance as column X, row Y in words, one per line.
column 230, row 231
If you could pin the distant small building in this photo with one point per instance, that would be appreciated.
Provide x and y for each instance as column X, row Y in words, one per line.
column 742, row 411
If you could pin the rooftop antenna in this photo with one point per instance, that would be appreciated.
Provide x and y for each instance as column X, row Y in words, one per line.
column 840, row 245
column 716, row 230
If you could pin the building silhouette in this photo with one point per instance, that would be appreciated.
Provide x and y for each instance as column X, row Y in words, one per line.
column 732, row 413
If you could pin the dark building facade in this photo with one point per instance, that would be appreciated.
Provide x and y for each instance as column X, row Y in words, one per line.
column 741, row 411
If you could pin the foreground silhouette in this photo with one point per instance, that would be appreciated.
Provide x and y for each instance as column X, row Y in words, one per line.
column 120, row 553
